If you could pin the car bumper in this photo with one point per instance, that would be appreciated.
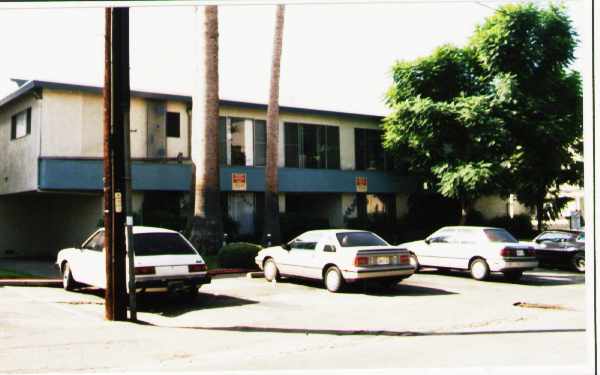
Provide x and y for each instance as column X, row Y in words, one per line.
column 169, row 281
column 362, row 274
column 507, row 265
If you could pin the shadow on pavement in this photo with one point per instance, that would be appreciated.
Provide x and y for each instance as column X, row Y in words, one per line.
column 372, row 289
column 336, row 332
column 173, row 304
column 538, row 277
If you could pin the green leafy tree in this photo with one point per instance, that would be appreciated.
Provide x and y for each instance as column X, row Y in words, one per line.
column 535, row 47
column 446, row 121
column 499, row 116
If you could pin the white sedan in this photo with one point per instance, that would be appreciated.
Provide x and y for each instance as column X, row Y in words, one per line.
column 480, row 250
column 336, row 257
column 163, row 259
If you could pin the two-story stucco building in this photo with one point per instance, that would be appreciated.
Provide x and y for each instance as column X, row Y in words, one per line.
column 331, row 164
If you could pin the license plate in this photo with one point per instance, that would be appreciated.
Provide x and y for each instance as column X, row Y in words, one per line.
column 520, row 253
column 383, row 260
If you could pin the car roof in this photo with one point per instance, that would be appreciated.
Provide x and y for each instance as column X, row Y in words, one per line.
column 137, row 229
column 571, row 231
column 334, row 231
column 468, row 227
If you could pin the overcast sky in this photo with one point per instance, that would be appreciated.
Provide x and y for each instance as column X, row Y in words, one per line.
column 335, row 57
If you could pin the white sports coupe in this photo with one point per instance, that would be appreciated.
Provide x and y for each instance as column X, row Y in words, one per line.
column 336, row 257
column 163, row 259
column 480, row 250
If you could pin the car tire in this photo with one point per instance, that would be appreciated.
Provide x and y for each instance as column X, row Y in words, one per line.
column 334, row 282
column 67, row 278
column 414, row 261
column 479, row 269
column 578, row 261
column 193, row 292
column 513, row 276
column 270, row 270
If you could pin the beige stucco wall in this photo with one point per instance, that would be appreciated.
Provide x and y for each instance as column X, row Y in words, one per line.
column 346, row 125
column 73, row 121
column 18, row 157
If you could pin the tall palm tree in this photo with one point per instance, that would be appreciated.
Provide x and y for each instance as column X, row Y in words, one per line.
column 271, row 223
column 206, row 226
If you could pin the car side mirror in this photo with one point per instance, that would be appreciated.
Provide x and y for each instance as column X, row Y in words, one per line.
column 286, row 246
column 427, row 241
column 329, row 248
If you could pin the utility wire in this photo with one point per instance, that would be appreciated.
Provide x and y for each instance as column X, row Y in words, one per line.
column 190, row 3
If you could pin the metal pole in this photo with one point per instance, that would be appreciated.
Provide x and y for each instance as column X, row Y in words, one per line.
column 107, row 180
column 128, row 182
column 120, row 109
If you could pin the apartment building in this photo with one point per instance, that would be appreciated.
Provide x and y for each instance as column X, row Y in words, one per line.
column 331, row 164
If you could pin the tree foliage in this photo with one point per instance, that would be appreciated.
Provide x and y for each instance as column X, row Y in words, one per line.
column 502, row 114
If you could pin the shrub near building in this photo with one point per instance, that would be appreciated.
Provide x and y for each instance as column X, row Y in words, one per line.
column 238, row 255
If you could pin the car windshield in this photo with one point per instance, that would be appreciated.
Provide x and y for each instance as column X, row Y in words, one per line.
column 349, row 239
column 499, row 235
column 161, row 244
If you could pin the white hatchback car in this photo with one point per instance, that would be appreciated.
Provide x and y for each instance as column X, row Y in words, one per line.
column 163, row 259
column 480, row 250
column 337, row 256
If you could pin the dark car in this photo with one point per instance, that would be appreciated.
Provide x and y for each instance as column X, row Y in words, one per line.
column 563, row 248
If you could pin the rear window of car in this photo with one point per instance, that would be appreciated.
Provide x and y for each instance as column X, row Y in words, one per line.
column 161, row 244
column 499, row 235
column 349, row 239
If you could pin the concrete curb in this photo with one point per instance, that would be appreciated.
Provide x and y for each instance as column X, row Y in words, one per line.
column 255, row 275
column 50, row 283
column 57, row 283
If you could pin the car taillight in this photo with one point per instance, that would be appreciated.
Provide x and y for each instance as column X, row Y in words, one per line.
column 197, row 267
column 149, row 270
column 361, row 261
column 404, row 259
column 507, row 252
column 530, row 252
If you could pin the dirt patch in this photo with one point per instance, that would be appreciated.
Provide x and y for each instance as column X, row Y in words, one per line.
column 539, row 306
column 81, row 302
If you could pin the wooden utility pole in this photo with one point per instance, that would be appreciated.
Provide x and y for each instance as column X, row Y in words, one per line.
column 107, row 180
column 116, row 295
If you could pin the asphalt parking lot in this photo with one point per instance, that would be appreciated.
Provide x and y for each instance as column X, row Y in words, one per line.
column 432, row 319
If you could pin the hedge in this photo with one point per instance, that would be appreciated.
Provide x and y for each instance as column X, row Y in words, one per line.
column 238, row 255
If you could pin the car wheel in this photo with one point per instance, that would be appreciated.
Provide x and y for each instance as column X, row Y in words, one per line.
column 333, row 279
column 578, row 261
column 193, row 291
column 513, row 275
column 479, row 269
column 414, row 261
column 67, row 278
column 270, row 270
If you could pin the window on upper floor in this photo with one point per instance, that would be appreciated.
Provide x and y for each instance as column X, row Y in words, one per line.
column 312, row 146
column 369, row 152
column 20, row 124
column 173, row 124
column 233, row 149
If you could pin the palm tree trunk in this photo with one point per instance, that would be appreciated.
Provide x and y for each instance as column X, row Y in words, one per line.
column 272, row 231
column 207, row 227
